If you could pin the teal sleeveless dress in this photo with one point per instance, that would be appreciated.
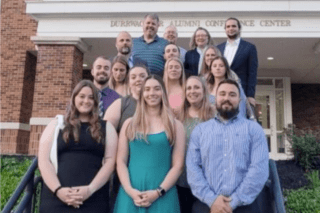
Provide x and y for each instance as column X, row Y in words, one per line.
column 149, row 163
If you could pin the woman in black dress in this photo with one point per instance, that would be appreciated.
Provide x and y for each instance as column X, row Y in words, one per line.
column 85, row 157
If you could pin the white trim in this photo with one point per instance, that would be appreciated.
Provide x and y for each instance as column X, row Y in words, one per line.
column 14, row 125
column 61, row 40
column 40, row 121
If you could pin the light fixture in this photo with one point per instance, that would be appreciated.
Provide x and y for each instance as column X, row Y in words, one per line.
column 84, row 65
column 270, row 58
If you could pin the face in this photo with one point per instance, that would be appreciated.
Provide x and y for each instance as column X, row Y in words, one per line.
column 209, row 56
column 124, row 43
column 174, row 70
column 194, row 91
column 227, row 100
column 119, row 72
column 171, row 51
column 152, row 93
column 171, row 35
column 201, row 38
column 218, row 69
column 101, row 71
column 84, row 100
column 150, row 27
column 232, row 29
column 136, row 78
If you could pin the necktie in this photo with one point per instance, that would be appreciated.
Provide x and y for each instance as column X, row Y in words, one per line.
column 101, row 110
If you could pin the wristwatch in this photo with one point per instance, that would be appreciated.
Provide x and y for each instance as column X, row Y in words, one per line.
column 161, row 191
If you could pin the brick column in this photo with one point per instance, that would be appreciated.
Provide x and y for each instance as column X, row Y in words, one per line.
column 18, row 61
column 59, row 69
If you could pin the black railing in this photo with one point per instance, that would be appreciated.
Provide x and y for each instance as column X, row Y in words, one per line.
column 29, row 183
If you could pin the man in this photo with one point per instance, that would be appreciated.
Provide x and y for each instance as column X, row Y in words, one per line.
column 242, row 57
column 101, row 71
column 171, row 34
column 171, row 51
column 150, row 47
column 227, row 159
column 124, row 46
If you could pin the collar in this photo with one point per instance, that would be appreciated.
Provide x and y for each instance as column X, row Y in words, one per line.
column 156, row 38
column 235, row 43
column 201, row 51
column 223, row 121
column 104, row 91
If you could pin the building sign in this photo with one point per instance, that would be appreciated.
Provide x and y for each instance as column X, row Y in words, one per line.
column 209, row 23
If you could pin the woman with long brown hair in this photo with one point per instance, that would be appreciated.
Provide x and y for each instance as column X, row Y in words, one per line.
column 209, row 54
column 197, row 109
column 174, row 81
column 150, row 155
column 77, row 181
column 119, row 76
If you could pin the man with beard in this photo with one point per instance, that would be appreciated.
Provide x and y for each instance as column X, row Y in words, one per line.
column 242, row 57
column 150, row 47
column 101, row 71
column 228, row 159
column 124, row 46
column 171, row 34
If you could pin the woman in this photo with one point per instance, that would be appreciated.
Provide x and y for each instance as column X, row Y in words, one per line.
column 219, row 71
column 197, row 109
column 118, row 79
column 124, row 108
column 174, row 81
column 80, row 182
column 209, row 54
column 150, row 155
column 199, row 41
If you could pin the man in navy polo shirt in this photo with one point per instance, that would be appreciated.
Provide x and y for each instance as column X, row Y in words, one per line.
column 150, row 47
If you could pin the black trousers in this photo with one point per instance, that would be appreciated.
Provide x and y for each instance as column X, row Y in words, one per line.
column 186, row 199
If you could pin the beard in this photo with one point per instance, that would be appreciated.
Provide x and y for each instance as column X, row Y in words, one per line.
column 125, row 50
column 232, row 37
column 102, row 81
column 227, row 113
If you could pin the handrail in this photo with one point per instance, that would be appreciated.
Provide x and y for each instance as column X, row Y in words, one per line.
column 276, row 188
column 27, row 181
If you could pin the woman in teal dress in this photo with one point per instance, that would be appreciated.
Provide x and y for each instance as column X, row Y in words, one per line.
column 151, row 154
column 197, row 109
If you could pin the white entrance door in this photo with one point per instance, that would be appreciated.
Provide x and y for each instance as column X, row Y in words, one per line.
column 265, row 111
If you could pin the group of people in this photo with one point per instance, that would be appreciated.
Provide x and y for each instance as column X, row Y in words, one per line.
column 177, row 126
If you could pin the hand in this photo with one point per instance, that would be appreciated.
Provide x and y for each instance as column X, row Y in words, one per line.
column 66, row 195
column 252, row 101
column 221, row 205
column 136, row 196
column 82, row 191
column 149, row 197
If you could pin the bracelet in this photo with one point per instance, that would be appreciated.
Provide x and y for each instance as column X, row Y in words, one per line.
column 56, row 191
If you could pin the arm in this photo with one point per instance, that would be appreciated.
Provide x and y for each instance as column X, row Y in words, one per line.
column 107, row 168
column 252, row 72
column 122, row 161
column 113, row 113
column 195, row 175
column 65, row 194
column 258, row 170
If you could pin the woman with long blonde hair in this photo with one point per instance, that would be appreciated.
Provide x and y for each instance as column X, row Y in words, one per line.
column 197, row 109
column 151, row 154
column 71, row 162
column 209, row 54
column 119, row 76
column 174, row 81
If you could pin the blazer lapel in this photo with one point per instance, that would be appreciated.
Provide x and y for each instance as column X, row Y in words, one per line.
column 238, row 54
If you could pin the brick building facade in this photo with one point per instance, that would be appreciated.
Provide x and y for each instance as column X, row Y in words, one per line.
column 38, row 75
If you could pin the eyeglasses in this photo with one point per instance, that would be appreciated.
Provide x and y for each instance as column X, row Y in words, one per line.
column 201, row 36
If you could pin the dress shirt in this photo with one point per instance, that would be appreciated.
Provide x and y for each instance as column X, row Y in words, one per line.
column 201, row 53
column 227, row 158
column 182, row 54
column 108, row 96
column 231, row 49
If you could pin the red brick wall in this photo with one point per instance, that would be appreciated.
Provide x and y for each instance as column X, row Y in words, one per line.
column 59, row 69
column 17, row 71
column 306, row 105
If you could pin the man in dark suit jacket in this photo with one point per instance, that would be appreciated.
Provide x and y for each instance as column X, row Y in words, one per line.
column 242, row 57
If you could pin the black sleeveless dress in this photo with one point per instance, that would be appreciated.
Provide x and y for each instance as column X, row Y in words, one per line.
column 78, row 164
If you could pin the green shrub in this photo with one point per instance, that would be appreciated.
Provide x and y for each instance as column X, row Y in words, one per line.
column 314, row 179
column 12, row 170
